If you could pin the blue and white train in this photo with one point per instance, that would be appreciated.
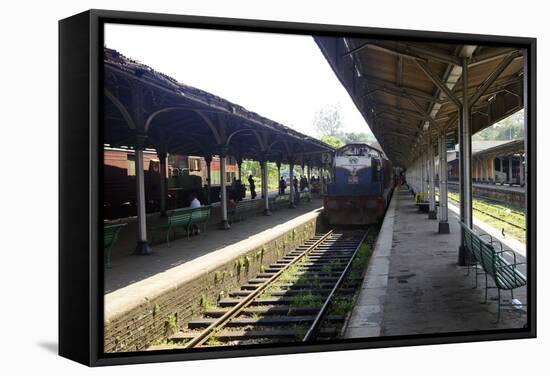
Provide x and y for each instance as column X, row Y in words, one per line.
column 361, row 186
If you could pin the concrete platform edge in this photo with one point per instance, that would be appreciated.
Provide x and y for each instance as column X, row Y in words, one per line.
column 118, row 302
column 366, row 317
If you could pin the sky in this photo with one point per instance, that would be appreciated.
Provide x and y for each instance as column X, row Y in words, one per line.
column 282, row 77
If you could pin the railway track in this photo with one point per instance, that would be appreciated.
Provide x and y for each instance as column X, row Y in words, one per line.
column 496, row 217
column 287, row 302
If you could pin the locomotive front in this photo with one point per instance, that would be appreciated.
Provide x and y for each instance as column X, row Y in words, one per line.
column 360, row 188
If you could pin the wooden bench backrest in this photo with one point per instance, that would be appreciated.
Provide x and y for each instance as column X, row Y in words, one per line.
column 472, row 241
column 110, row 233
column 180, row 217
column 505, row 275
column 199, row 215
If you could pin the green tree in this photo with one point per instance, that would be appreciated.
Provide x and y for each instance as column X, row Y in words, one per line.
column 251, row 167
column 506, row 129
column 357, row 138
column 333, row 141
column 328, row 121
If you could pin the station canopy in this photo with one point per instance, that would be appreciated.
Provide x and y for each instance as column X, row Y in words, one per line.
column 407, row 91
column 504, row 149
column 176, row 118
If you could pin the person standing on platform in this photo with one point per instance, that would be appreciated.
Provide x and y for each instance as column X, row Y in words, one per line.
column 282, row 186
column 303, row 183
column 295, row 182
column 252, row 186
column 235, row 189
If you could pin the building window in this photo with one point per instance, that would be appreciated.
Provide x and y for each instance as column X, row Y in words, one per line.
column 194, row 164
column 131, row 165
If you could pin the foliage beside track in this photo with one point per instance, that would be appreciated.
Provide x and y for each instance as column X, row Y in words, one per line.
column 498, row 215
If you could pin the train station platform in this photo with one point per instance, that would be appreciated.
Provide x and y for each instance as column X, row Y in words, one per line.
column 413, row 284
column 514, row 195
column 133, row 280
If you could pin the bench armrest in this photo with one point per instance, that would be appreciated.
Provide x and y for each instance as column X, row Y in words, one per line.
column 508, row 251
column 492, row 240
column 513, row 268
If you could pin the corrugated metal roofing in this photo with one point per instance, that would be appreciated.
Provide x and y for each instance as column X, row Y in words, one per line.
column 394, row 85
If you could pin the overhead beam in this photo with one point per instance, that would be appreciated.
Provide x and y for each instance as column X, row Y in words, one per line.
column 487, row 58
column 422, row 111
column 403, row 94
column 388, row 126
column 437, row 81
column 401, row 113
column 408, row 51
column 390, row 86
column 493, row 77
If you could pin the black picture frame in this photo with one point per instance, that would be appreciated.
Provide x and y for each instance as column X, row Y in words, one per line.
column 80, row 271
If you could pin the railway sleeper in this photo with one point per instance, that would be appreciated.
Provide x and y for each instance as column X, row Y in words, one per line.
column 279, row 300
column 242, row 335
column 302, row 264
column 320, row 258
column 291, row 292
column 261, row 277
column 293, row 286
column 321, row 254
column 300, row 279
column 306, row 269
column 263, row 311
column 262, row 321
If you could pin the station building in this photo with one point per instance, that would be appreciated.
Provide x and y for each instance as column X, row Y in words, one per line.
column 418, row 98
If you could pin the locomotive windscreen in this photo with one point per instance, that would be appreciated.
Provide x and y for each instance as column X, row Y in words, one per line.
column 358, row 150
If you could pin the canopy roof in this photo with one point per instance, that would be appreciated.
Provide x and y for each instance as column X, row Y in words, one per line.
column 408, row 90
column 177, row 118
column 504, row 149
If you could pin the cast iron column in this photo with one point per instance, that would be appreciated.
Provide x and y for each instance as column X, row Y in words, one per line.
column 432, row 214
column 239, row 165
column 208, row 160
column 465, row 154
column 291, row 204
column 224, row 225
column 162, row 174
column 142, row 247
column 265, row 190
column 443, row 208
column 278, row 175
column 510, row 169
column 521, row 170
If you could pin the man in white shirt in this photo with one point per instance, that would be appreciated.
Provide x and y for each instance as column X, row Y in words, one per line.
column 195, row 203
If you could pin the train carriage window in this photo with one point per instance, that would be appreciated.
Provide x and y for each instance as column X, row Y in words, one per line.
column 131, row 171
column 194, row 164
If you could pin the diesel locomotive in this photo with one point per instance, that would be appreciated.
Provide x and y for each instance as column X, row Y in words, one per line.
column 361, row 186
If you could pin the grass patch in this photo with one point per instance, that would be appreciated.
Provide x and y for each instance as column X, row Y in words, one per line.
column 305, row 300
column 502, row 211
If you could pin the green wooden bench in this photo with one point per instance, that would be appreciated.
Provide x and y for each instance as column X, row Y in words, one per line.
column 200, row 216
column 306, row 196
column 110, row 235
column 241, row 208
column 505, row 275
column 177, row 218
column 279, row 201
column 183, row 218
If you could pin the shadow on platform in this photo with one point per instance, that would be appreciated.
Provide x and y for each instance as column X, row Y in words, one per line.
column 128, row 269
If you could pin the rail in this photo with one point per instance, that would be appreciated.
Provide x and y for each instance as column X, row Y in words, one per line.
column 323, row 250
